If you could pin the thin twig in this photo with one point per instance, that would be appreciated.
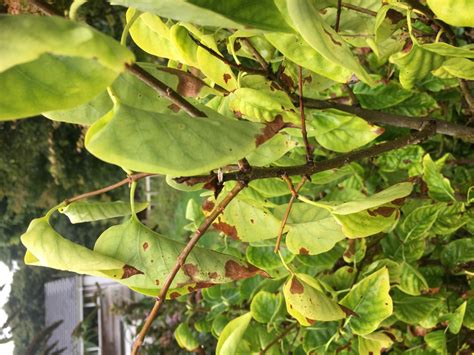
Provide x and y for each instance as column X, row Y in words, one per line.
column 263, row 63
column 181, row 260
column 294, row 196
column 338, row 15
column 46, row 8
column 257, row 173
column 359, row 9
column 240, row 67
column 288, row 181
column 278, row 338
column 309, row 149
column 128, row 180
column 164, row 90
column 464, row 86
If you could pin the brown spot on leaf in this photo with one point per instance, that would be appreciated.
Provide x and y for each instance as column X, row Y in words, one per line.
column 188, row 85
column 175, row 108
column 213, row 275
column 227, row 229
column 379, row 130
column 190, row 270
column 287, row 80
column 270, row 130
column 304, row 251
column 348, row 311
column 145, row 246
column 129, row 271
column 382, row 211
column 296, row 286
column 174, row 295
column 394, row 16
column 208, row 205
column 308, row 79
column 252, row 221
column 227, row 77
column 235, row 271
column 350, row 270
column 310, row 321
column 157, row 282
column 238, row 114
column 399, row 201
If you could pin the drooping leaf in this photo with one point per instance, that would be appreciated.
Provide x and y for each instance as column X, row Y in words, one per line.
column 155, row 255
column 319, row 35
column 413, row 310
column 80, row 212
column 63, row 65
column 370, row 299
column 170, row 144
column 185, row 338
column 456, row 67
column 232, row 334
column 369, row 222
column 300, row 52
column 456, row 318
column 439, row 188
column 306, row 302
column 340, row 131
column 230, row 14
column 45, row 247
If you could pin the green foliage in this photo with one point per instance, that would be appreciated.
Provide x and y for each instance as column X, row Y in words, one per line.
column 376, row 255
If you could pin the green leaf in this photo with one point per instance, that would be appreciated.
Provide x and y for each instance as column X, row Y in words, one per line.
column 437, row 341
column 264, row 306
column 456, row 67
column 439, row 188
column 456, row 319
column 411, row 281
column 418, row 223
column 418, row 104
column 300, row 52
column 386, row 196
column 175, row 145
column 415, row 65
column 47, row 248
column 370, row 299
column 308, row 303
column 458, row 252
column 80, row 212
column 229, row 14
column 408, row 158
column 340, row 131
column 62, row 66
column 374, row 343
column 155, row 255
column 265, row 258
column 272, row 150
column 413, row 310
column 450, row 219
column 317, row 336
column 313, row 236
column 369, row 222
column 455, row 12
column 319, row 35
column 380, row 96
column 468, row 320
column 262, row 105
column 232, row 334
column 247, row 223
column 185, row 337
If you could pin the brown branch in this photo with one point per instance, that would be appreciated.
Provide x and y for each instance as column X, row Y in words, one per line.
column 181, row 260
column 278, row 338
column 256, row 173
column 464, row 86
column 263, row 63
column 46, row 8
column 309, row 149
column 164, row 90
column 359, row 9
column 294, row 195
column 372, row 116
column 338, row 15
column 128, row 180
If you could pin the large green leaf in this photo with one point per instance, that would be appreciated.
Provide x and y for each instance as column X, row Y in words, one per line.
column 456, row 318
column 232, row 334
column 300, row 52
column 170, row 144
column 319, row 35
column 272, row 150
column 370, row 299
column 63, row 65
column 456, row 67
column 155, row 255
column 340, row 131
column 261, row 14
column 412, row 281
column 458, row 252
column 185, row 338
column 264, row 306
column 450, row 218
column 79, row 212
column 381, row 96
column 369, row 222
column 264, row 257
column 454, row 12
column 307, row 303
column 418, row 223
column 439, row 188
column 45, row 247
column 437, row 341
column 413, row 310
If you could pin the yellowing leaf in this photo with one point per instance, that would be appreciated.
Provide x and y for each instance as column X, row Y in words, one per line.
column 439, row 188
column 455, row 12
column 232, row 334
column 79, row 212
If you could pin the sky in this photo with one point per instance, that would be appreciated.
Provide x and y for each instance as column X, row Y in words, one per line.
column 6, row 276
